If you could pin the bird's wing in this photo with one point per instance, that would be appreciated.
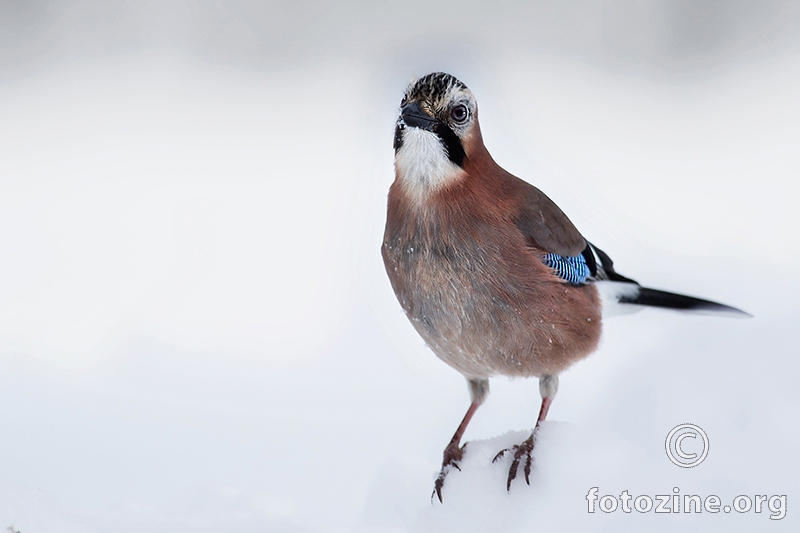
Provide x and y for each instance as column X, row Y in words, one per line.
column 545, row 225
column 547, row 228
column 601, row 266
column 576, row 260
column 592, row 264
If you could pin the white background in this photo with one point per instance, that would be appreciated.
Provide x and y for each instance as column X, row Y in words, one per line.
column 196, row 332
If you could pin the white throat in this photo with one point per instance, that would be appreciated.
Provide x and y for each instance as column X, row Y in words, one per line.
column 422, row 164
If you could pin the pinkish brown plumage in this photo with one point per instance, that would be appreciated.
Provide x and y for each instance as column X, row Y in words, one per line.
column 474, row 288
column 473, row 254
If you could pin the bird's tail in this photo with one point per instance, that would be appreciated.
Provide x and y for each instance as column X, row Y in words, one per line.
column 622, row 295
column 625, row 297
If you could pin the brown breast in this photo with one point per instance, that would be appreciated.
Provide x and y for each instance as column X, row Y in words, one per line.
column 476, row 290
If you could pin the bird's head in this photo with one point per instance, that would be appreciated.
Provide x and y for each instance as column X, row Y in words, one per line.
column 436, row 133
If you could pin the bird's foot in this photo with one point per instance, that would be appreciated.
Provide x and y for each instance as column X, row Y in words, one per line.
column 452, row 456
column 521, row 451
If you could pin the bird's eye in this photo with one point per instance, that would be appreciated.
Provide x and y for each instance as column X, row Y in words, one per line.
column 459, row 113
column 403, row 102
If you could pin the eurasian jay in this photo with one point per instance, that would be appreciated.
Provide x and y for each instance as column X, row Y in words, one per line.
column 491, row 273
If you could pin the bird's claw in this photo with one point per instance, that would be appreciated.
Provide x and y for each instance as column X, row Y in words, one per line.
column 452, row 456
column 501, row 453
column 525, row 449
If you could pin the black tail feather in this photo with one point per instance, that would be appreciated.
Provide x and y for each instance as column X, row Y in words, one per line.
column 669, row 300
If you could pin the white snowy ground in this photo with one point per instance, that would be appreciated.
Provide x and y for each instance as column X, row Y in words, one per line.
column 196, row 332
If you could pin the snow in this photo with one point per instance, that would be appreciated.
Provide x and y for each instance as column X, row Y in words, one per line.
column 615, row 442
column 197, row 332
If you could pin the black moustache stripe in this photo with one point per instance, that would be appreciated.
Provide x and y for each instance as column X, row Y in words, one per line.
column 455, row 151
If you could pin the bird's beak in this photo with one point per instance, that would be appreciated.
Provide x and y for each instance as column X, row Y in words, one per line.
column 415, row 117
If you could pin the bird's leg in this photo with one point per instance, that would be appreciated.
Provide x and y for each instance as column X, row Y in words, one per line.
column 548, row 386
column 453, row 453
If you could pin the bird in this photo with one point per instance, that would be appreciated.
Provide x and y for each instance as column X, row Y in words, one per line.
column 491, row 273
